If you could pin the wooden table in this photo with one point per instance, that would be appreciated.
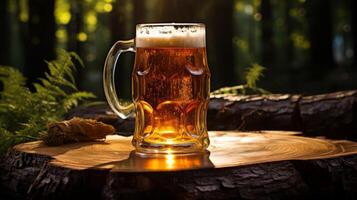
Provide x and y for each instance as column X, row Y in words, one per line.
column 238, row 165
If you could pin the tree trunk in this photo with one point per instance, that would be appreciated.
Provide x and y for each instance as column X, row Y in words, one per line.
column 219, row 39
column 319, row 19
column 238, row 165
column 290, row 58
column 76, row 26
column 122, row 28
column 5, row 33
column 268, row 46
column 353, row 12
column 40, row 44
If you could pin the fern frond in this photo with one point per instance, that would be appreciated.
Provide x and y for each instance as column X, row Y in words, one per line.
column 13, row 85
column 238, row 89
column 72, row 100
column 77, row 58
column 59, row 81
column 24, row 114
column 253, row 74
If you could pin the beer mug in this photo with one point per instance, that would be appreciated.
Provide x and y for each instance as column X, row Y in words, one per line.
column 170, row 87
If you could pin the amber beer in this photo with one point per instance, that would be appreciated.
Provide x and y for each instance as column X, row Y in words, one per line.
column 171, row 83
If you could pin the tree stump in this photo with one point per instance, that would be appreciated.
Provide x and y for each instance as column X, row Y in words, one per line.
column 237, row 165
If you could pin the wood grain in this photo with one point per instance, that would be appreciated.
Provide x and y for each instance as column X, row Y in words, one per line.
column 227, row 149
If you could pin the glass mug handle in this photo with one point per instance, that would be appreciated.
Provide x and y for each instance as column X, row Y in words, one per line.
column 119, row 47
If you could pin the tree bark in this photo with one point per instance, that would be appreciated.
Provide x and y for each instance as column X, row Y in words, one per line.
column 326, row 114
column 239, row 165
column 254, row 112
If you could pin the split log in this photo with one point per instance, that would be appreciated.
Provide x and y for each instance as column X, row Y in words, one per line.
column 237, row 165
column 326, row 114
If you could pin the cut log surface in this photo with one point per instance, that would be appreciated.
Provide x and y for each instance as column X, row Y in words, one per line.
column 237, row 165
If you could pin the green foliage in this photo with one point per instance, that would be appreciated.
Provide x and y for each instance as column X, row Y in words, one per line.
column 24, row 114
column 252, row 75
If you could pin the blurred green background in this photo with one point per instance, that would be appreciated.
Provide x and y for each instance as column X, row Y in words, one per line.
column 307, row 46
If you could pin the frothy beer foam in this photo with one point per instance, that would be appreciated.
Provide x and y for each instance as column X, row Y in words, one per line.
column 170, row 36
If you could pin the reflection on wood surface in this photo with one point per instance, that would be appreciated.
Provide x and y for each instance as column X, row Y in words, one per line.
column 227, row 149
column 166, row 162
